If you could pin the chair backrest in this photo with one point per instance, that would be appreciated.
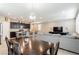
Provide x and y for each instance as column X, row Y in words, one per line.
column 7, row 41
column 56, row 48
column 9, row 45
column 16, row 48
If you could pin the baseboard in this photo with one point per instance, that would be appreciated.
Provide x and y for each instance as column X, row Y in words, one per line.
column 69, row 51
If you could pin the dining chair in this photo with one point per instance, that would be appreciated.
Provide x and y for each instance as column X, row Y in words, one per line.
column 16, row 48
column 56, row 48
column 50, row 51
column 9, row 46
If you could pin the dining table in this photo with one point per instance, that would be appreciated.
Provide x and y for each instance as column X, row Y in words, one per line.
column 33, row 46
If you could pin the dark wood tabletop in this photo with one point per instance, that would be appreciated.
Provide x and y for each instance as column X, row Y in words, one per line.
column 30, row 46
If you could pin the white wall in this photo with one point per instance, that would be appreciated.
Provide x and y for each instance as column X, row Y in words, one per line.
column 68, row 25
column 5, row 27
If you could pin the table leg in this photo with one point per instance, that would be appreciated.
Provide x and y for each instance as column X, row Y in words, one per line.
column 52, row 49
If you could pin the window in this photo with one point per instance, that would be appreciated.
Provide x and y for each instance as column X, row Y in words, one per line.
column 77, row 24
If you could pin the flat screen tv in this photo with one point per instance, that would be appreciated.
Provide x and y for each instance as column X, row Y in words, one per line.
column 58, row 29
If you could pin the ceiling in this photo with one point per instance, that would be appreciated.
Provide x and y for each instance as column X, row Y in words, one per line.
column 41, row 11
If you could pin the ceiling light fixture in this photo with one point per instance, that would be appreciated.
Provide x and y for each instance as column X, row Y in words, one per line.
column 32, row 17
